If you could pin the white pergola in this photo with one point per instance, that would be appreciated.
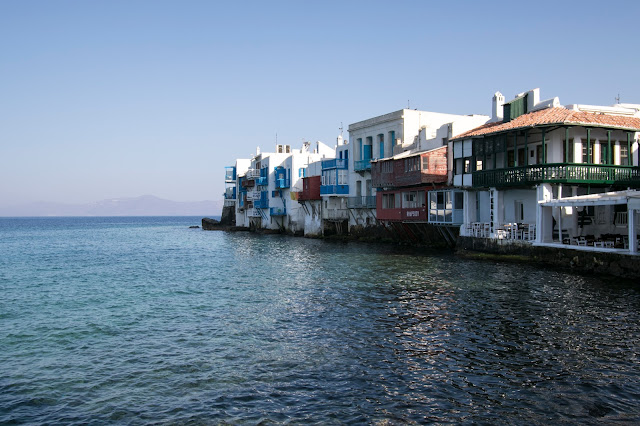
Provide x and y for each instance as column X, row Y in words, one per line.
column 630, row 197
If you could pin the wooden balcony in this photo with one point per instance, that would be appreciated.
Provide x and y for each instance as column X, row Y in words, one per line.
column 602, row 174
column 310, row 189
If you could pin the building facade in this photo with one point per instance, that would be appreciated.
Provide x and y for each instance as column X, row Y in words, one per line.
column 533, row 153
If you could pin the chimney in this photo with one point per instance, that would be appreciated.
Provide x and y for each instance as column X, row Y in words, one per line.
column 496, row 110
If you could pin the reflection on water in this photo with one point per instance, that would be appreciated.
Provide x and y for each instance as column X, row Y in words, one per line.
column 152, row 322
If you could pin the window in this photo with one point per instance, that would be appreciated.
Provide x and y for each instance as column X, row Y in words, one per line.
column 409, row 200
column 479, row 165
column 381, row 143
column 411, row 164
column 458, row 200
column 388, row 201
column 467, row 165
column 425, row 163
column 519, row 211
column 510, row 158
column 604, row 153
column 342, row 177
column 624, row 155
column 387, row 167
column 587, row 151
column 568, row 155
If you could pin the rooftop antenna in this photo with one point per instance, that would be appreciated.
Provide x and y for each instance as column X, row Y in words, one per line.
column 618, row 98
column 408, row 104
column 340, row 128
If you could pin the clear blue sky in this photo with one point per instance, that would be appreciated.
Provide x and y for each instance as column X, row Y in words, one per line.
column 102, row 99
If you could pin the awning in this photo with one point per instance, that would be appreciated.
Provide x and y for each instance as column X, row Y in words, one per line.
column 630, row 197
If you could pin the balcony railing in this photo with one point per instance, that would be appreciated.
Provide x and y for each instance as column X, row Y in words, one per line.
column 361, row 165
column 263, row 201
column 253, row 195
column 335, row 214
column 335, row 163
column 252, row 173
column 558, row 173
column 278, row 211
column 334, row 189
column 364, row 202
column 253, row 213
column 282, row 183
column 230, row 193
column 262, row 181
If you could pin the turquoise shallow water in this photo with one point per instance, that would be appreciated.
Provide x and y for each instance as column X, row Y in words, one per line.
column 143, row 320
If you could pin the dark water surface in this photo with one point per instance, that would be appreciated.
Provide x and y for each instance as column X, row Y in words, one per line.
column 142, row 320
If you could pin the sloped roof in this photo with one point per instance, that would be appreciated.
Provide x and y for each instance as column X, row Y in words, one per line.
column 556, row 115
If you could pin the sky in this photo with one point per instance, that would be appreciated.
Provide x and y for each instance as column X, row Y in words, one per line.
column 105, row 99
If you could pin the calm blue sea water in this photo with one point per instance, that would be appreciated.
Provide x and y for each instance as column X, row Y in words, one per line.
column 143, row 320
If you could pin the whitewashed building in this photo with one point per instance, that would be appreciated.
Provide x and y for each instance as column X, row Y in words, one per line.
column 383, row 137
column 267, row 190
column 547, row 174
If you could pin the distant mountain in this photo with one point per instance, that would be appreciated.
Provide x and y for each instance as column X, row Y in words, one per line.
column 146, row 205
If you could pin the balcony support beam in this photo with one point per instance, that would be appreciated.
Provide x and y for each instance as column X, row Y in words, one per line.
column 544, row 147
column 526, row 147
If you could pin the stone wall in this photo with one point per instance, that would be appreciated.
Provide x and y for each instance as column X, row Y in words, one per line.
column 587, row 262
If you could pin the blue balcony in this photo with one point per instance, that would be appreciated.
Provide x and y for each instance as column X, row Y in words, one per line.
column 230, row 174
column 283, row 183
column 262, row 181
column 263, row 202
column 362, row 165
column 335, row 163
column 334, row 189
column 278, row 211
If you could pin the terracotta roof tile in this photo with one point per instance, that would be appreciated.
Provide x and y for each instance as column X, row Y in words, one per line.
column 557, row 115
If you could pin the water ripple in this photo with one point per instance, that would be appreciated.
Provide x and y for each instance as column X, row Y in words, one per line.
column 143, row 320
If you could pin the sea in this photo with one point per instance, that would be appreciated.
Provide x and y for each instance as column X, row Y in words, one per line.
column 144, row 320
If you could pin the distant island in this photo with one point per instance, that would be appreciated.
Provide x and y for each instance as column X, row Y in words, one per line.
column 146, row 205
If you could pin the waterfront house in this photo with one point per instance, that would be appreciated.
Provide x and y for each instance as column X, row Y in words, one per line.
column 270, row 186
column 334, row 189
column 543, row 173
column 235, row 193
column 398, row 138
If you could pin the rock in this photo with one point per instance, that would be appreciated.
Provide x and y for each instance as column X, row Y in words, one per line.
column 194, row 227
column 210, row 224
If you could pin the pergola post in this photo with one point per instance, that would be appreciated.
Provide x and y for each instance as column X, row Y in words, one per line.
column 526, row 148
column 633, row 240
column 544, row 148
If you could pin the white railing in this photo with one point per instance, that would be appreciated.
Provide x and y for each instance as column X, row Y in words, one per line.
column 253, row 173
column 253, row 213
column 253, row 195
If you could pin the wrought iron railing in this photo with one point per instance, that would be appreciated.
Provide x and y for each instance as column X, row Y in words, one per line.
column 363, row 202
column 361, row 165
column 558, row 173
column 334, row 189
column 282, row 183
column 334, row 163
column 278, row 211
